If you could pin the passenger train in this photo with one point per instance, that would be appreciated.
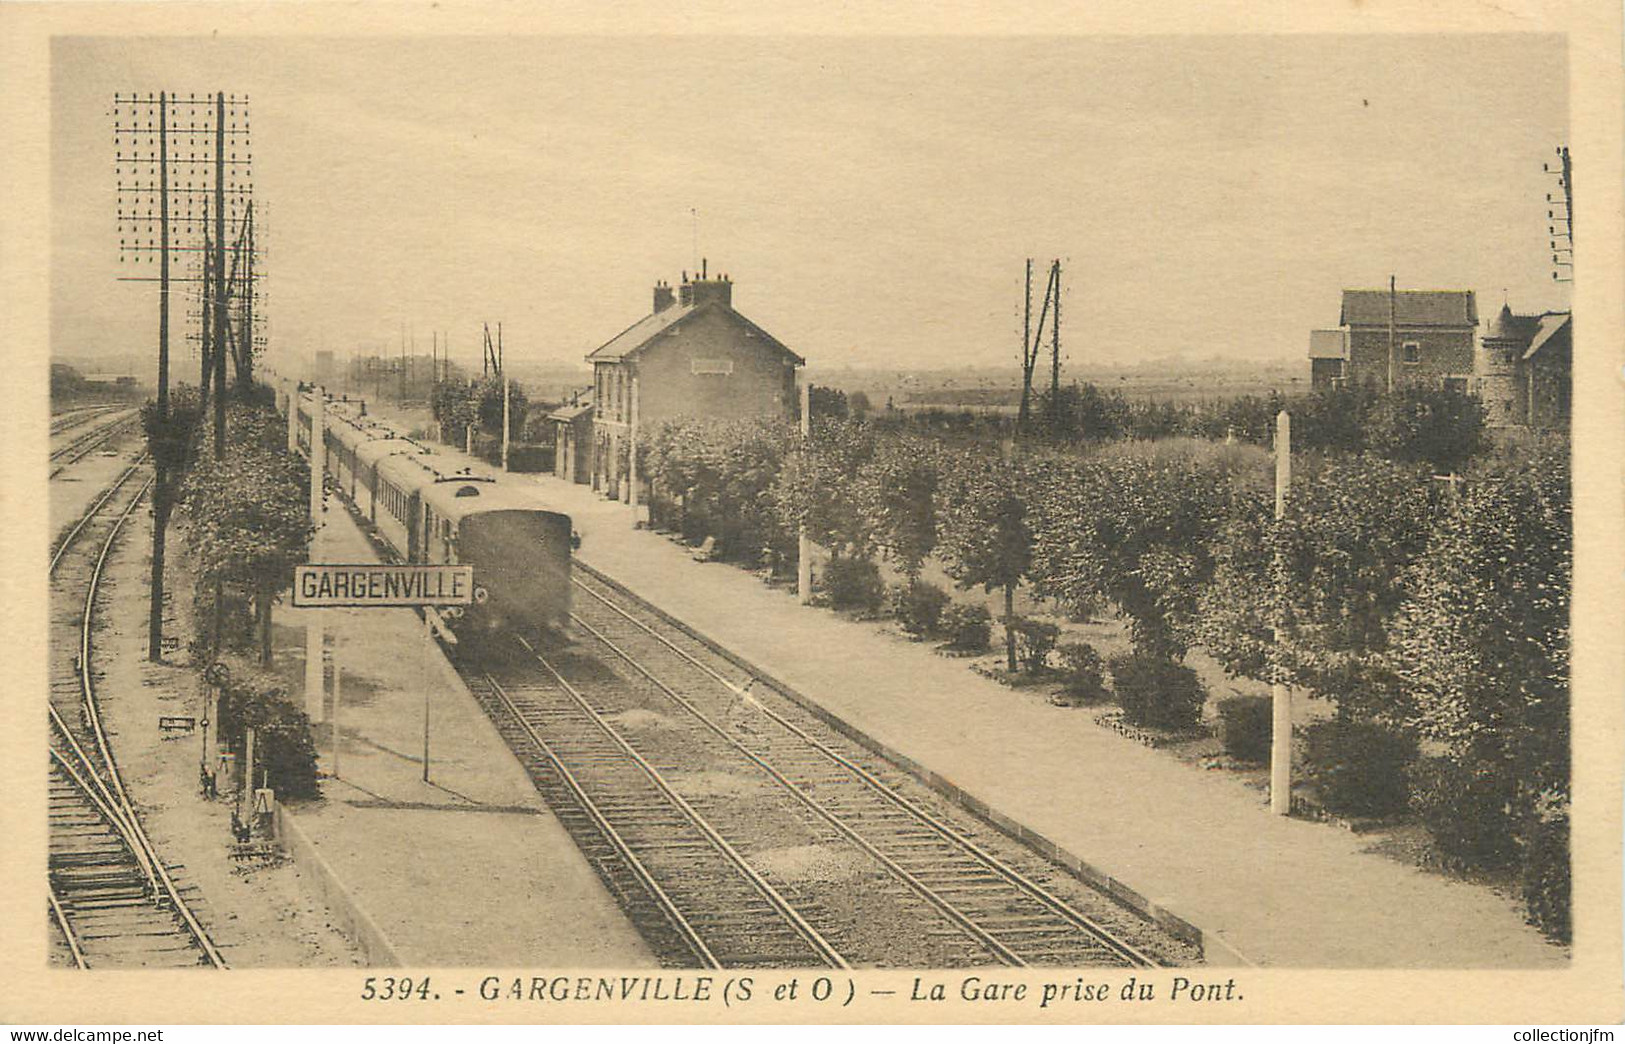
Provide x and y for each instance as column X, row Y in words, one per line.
column 519, row 549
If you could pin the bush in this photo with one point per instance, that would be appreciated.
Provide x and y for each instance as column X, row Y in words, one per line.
column 1467, row 807
column 1157, row 692
column 853, row 583
column 1359, row 769
column 285, row 754
column 1245, row 727
column 919, row 606
column 1546, row 870
column 1034, row 640
column 1085, row 672
column 968, row 625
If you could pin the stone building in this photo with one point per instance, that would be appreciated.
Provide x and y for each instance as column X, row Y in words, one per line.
column 1524, row 369
column 693, row 355
column 572, row 438
column 1433, row 333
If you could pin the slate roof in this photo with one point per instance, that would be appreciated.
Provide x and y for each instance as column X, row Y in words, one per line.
column 639, row 335
column 1446, row 308
column 1551, row 324
column 1510, row 326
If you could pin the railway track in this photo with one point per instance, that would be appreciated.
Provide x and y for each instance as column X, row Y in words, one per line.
column 61, row 422
column 84, row 443
column 112, row 898
column 670, row 761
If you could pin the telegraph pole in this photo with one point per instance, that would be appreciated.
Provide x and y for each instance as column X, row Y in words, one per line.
column 1055, row 351
column 1026, row 353
column 160, row 481
column 220, row 276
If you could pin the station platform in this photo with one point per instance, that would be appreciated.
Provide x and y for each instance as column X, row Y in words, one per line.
column 1263, row 889
column 468, row 868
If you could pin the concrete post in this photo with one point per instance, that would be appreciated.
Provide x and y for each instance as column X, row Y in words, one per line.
column 315, row 632
column 803, row 545
column 1281, row 696
column 632, row 455
column 293, row 415
column 506, row 424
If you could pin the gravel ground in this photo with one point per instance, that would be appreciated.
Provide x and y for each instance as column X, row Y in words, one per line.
column 263, row 916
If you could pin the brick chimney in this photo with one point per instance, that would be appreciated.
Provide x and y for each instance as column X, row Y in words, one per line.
column 705, row 290
column 663, row 296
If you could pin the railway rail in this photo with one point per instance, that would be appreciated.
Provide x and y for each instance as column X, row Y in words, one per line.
column 740, row 831
column 112, row 898
column 82, row 444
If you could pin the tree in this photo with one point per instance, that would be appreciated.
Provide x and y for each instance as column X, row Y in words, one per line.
column 983, row 537
column 1133, row 531
column 248, row 516
column 1444, row 429
column 816, row 488
column 1483, row 651
column 896, row 494
column 1330, row 575
column 171, row 441
column 488, row 398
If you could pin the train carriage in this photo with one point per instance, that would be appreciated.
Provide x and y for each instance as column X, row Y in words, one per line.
column 520, row 550
column 520, row 553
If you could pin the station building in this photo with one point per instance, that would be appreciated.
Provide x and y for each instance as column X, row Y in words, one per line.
column 693, row 355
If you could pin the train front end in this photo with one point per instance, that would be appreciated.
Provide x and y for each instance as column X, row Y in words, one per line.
column 521, row 561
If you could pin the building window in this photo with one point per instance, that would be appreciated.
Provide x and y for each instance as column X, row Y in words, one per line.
column 719, row 367
column 1411, row 351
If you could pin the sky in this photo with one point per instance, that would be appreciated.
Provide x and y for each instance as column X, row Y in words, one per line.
column 872, row 199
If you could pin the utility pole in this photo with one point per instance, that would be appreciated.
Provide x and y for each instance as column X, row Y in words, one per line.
column 160, row 482
column 1026, row 359
column 1393, row 309
column 220, row 276
column 1562, row 227
column 206, row 324
column 1055, row 351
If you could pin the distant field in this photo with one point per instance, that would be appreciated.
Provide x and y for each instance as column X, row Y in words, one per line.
column 1162, row 389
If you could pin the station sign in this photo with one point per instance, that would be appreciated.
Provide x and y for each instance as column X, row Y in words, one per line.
column 371, row 585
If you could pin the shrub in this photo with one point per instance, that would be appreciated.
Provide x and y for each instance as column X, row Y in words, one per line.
column 1467, row 807
column 1359, row 768
column 1034, row 640
column 1085, row 672
column 919, row 606
column 1157, row 692
column 968, row 625
column 285, row 754
column 1245, row 727
column 853, row 583
column 1546, row 870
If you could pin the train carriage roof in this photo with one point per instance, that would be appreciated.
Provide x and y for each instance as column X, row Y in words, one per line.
column 458, row 496
column 376, row 450
column 405, row 468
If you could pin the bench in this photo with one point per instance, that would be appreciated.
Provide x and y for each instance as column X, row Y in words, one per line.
column 176, row 723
